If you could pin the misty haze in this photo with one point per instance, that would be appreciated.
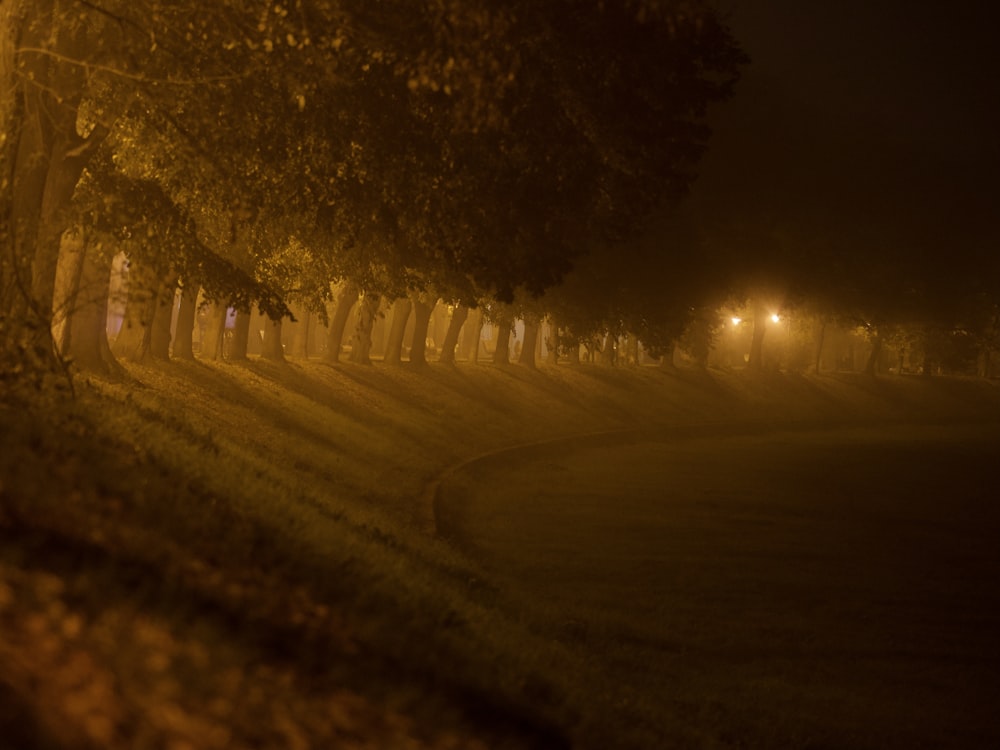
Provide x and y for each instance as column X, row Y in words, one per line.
column 541, row 374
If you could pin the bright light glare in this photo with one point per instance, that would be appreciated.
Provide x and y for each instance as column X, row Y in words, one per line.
column 736, row 321
column 775, row 318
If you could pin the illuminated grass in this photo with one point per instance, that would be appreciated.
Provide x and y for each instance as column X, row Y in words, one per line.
column 231, row 556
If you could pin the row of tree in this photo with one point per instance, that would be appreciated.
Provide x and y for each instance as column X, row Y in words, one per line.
column 259, row 151
column 526, row 162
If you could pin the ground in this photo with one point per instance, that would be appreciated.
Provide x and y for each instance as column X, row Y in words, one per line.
column 249, row 555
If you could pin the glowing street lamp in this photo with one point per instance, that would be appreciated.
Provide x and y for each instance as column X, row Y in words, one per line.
column 775, row 318
column 736, row 321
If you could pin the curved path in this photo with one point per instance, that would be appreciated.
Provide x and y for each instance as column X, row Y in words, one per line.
column 836, row 587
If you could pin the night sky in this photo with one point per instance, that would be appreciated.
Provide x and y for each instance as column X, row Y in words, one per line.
column 868, row 123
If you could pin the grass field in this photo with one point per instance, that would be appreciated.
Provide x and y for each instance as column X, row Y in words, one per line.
column 786, row 589
column 223, row 556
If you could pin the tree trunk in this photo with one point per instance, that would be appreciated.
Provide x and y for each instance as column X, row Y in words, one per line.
column 573, row 351
column 501, row 355
column 361, row 339
column 301, row 331
column 163, row 312
column 70, row 268
column 474, row 335
column 667, row 361
column 86, row 339
column 820, row 339
column 401, row 308
column 871, row 368
column 756, row 363
column 608, row 353
column 132, row 342
column 43, row 158
column 183, row 347
column 983, row 361
column 458, row 317
column 421, row 320
column 552, row 342
column 215, row 332
column 528, row 348
column 239, row 344
column 272, row 349
column 338, row 321
column 632, row 350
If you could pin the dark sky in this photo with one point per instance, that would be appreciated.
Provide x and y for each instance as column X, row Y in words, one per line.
column 869, row 121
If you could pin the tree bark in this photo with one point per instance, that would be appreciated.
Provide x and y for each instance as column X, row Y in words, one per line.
column 871, row 368
column 183, row 347
column 44, row 158
column 239, row 344
column 501, row 355
column 338, row 321
column 573, row 352
column 132, row 342
column 528, row 348
column 361, row 339
column 215, row 331
column 632, row 350
column 552, row 342
column 401, row 308
column 458, row 318
column 272, row 349
column 820, row 340
column 68, row 273
column 302, row 329
column 421, row 320
column 163, row 312
column 473, row 336
column 86, row 339
column 986, row 362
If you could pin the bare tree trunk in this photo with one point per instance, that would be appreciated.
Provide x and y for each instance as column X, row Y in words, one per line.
column 68, row 272
column 573, row 352
column 501, row 355
column 552, row 342
column 401, row 308
column 608, row 353
column 421, row 320
column 43, row 158
column 474, row 335
column 239, row 344
column 163, row 311
column 132, row 342
column 458, row 317
column 632, row 350
column 300, row 331
column 184, row 332
column 86, row 337
column 528, row 348
column 871, row 368
column 338, row 321
column 272, row 348
column 820, row 339
column 983, row 361
column 215, row 331
column 361, row 339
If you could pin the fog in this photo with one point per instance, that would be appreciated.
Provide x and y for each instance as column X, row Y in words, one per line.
column 552, row 375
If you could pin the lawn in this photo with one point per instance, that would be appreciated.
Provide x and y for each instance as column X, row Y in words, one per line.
column 224, row 556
